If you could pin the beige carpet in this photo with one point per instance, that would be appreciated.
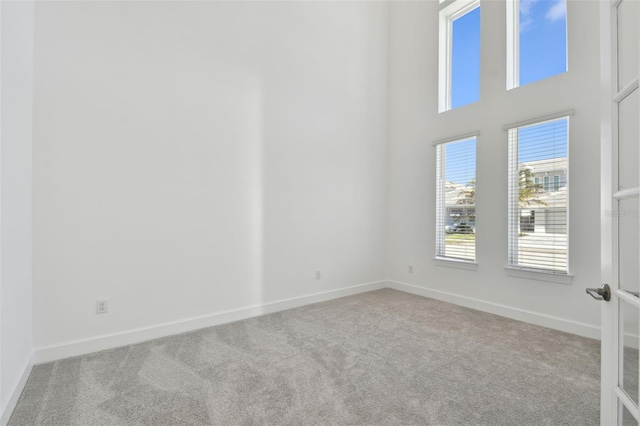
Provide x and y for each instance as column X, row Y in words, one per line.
column 379, row 358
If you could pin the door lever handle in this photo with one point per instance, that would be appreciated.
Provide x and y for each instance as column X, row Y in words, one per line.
column 602, row 293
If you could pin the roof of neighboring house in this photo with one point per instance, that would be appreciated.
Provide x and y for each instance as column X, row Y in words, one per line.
column 454, row 194
column 550, row 166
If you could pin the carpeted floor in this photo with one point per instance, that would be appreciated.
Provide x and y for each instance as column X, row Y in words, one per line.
column 378, row 358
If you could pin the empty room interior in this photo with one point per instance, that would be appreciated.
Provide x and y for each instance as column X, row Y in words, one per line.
column 312, row 212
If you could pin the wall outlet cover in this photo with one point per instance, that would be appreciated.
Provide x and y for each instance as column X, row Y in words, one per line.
column 102, row 306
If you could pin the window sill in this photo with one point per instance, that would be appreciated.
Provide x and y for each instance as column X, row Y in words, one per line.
column 539, row 275
column 454, row 263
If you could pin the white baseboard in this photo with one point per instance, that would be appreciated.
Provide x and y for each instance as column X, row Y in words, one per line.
column 128, row 337
column 557, row 323
column 14, row 395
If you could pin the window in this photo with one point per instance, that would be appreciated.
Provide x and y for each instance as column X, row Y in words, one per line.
column 538, row 222
column 459, row 79
column 536, row 40
column 456, row 199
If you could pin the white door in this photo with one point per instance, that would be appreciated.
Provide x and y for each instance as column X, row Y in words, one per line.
column 620, row 224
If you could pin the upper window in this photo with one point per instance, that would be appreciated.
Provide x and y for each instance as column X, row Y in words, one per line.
column 538, row 211
column 459, row 80
column 456, row 199
column 536, row 40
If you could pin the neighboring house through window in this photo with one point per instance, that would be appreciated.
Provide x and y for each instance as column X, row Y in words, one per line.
column 538, row 220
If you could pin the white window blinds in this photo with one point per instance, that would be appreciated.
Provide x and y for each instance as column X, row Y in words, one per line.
column 538, row 196
column 456, row 200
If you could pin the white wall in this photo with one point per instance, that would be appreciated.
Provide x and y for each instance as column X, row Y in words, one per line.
column 196, row 157
column 15, row 191
column 415, row 124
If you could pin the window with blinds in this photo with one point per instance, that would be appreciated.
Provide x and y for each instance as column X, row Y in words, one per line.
column 456, row 200
column 538, row 196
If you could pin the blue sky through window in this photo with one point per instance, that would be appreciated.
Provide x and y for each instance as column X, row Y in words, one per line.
column 465, row 59
column 460, row 161
column 543, row 39
column 543, row 141
column 543, row 47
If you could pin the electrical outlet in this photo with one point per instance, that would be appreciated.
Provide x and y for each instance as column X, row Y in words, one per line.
column 102, row 306
column 318, row 275
column 411, row 269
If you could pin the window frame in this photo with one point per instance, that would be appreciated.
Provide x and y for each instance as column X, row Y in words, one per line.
column 513, row 44
column 512, row 268
column 449, row 12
